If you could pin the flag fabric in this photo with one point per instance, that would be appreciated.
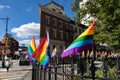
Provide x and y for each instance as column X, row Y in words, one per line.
column 53, row 52
column 88, row 53
column 41, row 52
column 48, row 52
column 83, row 54
column 31, row 49
column 47, row 59
column 91, row 54
column 83, row 42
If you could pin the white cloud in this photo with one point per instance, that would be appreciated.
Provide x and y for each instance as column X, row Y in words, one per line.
column 27, row 42
column 27, row 30
column 4, row 6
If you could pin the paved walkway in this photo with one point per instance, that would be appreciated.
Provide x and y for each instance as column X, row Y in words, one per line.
column 16, row 72
column 13, row 75
column 28, row 76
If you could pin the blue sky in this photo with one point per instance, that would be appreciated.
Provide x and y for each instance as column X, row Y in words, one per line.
column 24, row 17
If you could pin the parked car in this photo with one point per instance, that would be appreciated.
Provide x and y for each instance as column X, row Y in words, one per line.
column 24, row 61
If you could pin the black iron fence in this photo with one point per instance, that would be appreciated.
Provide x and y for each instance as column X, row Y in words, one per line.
column 77, row 68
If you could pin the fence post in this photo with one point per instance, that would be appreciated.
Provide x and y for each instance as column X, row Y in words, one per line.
column 49, row 74
column 72, row 67
column 56, row 72
column 105, row 67
column 36, row 68
column 118, row 67
column 63, row 67
column 44, row 74
column 37, row 71
column 33, row 71
column 92, row 69
column 41, row 67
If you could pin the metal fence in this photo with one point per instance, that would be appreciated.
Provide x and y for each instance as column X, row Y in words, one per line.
column 73, row 69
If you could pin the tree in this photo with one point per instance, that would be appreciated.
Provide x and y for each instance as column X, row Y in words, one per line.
column 107, row 14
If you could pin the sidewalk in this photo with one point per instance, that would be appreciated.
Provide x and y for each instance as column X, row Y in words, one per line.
column 13, row 74
column 16, row 72
column 28, row 76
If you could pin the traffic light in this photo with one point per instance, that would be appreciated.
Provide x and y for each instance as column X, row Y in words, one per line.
column 6, row 43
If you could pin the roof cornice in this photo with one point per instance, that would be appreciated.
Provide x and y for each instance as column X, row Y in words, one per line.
column 49, row 11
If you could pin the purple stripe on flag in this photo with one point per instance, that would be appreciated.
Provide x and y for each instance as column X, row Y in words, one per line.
column 30, row 58
column 76, row 50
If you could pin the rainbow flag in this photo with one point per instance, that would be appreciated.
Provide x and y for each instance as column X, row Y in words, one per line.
column 83, row 42
column 31, row 49
column 41, row 52
column 53, row 52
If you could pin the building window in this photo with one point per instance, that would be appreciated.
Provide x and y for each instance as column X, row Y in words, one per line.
column 48, row 29
column 54, row 22
column 47, row 18
column 61, row 34
column 60, row 47
column 66, row 25
column 67, row 35
column 80, row 30
column 61, row 24
column 53, row 46
column 54, row 33
column 71, row 27
column 75, row 29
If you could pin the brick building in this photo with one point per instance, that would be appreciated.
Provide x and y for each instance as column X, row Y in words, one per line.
column 62, row 30
column 10, row 44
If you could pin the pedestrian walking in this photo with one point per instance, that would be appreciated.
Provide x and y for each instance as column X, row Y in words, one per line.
column 7, row 64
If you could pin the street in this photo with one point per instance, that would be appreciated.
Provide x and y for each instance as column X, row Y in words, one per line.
column 16, row 72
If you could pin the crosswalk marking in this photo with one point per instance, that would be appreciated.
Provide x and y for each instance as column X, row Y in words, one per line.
column 14, row 78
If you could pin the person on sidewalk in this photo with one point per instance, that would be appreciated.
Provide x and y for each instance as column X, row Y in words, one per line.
column 7, row 64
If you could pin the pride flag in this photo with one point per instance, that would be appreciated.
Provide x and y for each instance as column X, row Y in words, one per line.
column 41, row 52
column 53, row 52
column 83, row 42
column 31, row 49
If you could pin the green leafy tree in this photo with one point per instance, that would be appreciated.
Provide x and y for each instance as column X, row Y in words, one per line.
column 107, row 15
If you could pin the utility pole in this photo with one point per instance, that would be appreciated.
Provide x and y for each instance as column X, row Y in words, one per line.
column 6, row 23
column 6, row 40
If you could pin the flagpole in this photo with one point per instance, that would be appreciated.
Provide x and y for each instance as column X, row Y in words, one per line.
column 94, row 48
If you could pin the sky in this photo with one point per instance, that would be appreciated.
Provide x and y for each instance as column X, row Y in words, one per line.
column 24, row 18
